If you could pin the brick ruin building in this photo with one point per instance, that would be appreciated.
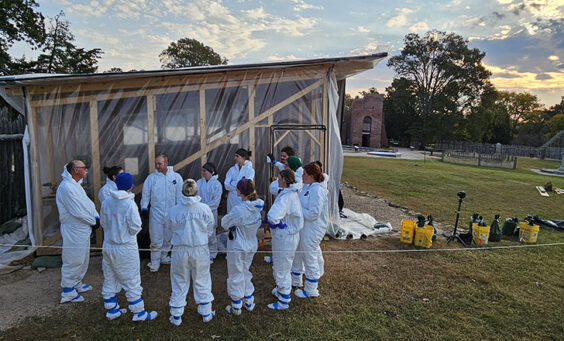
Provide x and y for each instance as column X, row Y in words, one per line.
column 363, row 125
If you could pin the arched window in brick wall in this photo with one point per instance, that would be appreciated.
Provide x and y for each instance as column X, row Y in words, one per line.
column 366, row 129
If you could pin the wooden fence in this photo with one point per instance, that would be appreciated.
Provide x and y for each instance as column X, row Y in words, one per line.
column 12, row 185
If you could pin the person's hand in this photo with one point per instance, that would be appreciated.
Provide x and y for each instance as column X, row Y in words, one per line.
column 145, row 213
column 270, row 158
column 231, row 234
column 97, row 224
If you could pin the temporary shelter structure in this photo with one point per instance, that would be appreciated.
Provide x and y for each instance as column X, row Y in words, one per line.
column 192, row 115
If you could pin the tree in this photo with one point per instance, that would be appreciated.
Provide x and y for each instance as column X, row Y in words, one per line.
column 114, row 70
column 61, row 55
column 448, row 78
column 522, row 108
column 188, row 52
column 401, row 119
column 489, row 121
column 20, row 22
column 554, row 117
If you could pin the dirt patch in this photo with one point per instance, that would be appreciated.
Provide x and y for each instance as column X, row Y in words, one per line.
column 26, row 293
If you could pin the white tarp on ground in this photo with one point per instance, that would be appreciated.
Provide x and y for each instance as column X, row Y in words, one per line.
column 6, row 244
column 357, row 226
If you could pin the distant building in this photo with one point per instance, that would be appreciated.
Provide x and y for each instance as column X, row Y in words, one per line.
column 363, row 125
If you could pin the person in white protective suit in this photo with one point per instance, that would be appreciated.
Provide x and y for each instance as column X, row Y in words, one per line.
column 162, row 189
column 285, row 153
column 243, row 169
column 242, row 223
column 77, row 215
column 313, row 199
column 210, row 190
column 285, row 221
column 295, row 164
column 192, row 224
column 121, row 222
column 325, row 182
column 110, row 186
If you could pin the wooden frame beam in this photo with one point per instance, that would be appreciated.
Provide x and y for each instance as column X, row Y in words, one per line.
column 203, row 130
column 95, row 166
column 151, row 107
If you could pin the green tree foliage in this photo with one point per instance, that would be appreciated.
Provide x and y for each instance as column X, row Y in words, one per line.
column 523, row 108
column 61, row 55
column 447, row 80
column 400, row 115
column 188, row 52
column 554, row 117
column 20, row 23
column 489, row 121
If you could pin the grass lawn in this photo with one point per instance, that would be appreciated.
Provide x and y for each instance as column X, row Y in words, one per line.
column 502, row 294
column 431, row 187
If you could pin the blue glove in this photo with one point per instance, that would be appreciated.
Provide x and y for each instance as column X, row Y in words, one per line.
column 272, row 226
column 232, row 228
column 231, row 234
column 281, row 225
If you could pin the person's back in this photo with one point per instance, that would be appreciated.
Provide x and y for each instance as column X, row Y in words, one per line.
column 120, row 213
column 192, row 223
column 120, row 264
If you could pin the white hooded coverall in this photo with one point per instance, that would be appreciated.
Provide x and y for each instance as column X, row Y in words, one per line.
column 234, row 174
column 275, row 189
column 192, row 224
column 313, row 199
column 285, row 221
column 162, row 192
column 210, row 192
column 246, row 219
column 105, row 191
column 121, row 223
column 77, row 214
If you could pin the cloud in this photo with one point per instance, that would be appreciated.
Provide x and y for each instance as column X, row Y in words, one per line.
column 370, row 48
column 542, row 76
column 302, row 5
column 509, row 78
column 420, row 26
column 277, row 58
column 362, row 29
column 92, row 9
column 234, row 33
column 399, row 20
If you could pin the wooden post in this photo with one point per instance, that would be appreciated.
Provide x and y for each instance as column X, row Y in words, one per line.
column 325, row 114
column 95, row 166
column 50, row 161
column 311, row 120
column 300, row 132
column 251, row 106
column 203, row 130
column 35, row 170
column 151, row 106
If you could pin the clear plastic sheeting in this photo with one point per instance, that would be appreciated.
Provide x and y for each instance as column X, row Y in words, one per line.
column 193, row 116
column 357, row 226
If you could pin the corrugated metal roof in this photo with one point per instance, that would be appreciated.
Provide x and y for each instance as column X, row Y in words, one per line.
column 348, row 66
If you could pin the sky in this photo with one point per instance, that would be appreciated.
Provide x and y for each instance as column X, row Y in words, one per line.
column 523, row 39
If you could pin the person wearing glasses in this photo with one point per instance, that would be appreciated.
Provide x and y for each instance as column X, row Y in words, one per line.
column 78, row 216
column 162, row 189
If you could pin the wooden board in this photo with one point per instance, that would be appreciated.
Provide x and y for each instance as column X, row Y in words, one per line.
column 542, row 191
